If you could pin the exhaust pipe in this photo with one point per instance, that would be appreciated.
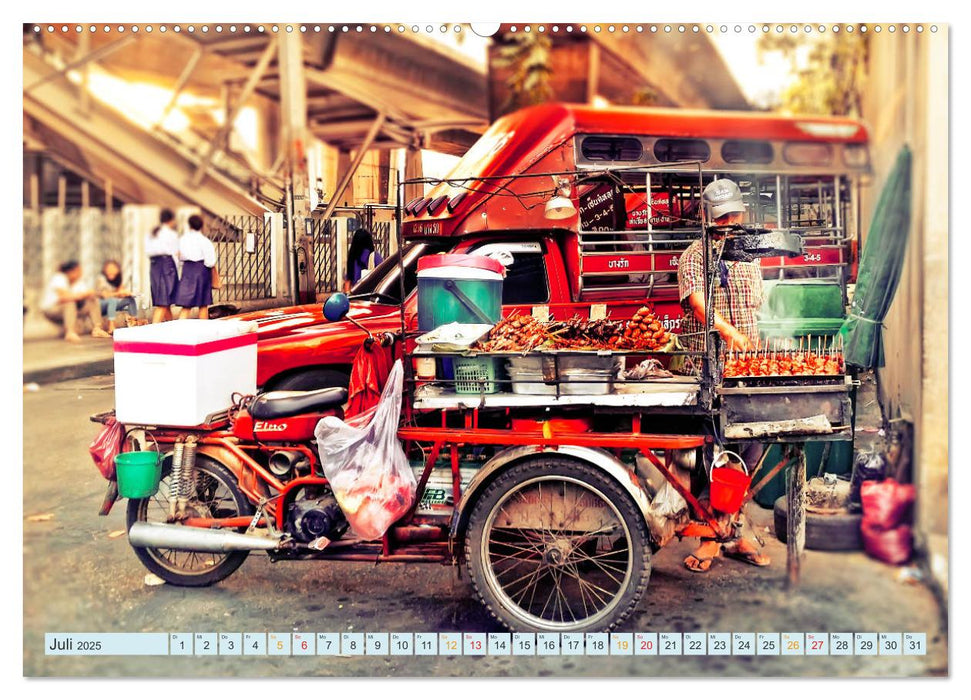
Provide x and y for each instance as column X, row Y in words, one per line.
column 195, row 539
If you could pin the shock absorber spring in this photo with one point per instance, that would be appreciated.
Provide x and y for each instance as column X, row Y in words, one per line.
column 175, row 478
column 187, row 480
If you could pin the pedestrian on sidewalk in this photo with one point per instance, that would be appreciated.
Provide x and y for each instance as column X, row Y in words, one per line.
column 162, row 248
column 198, row 256
column 68, row 298
column 115, row 298
column 361, row 258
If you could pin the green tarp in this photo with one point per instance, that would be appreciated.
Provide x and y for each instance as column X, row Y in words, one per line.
column 880, row 266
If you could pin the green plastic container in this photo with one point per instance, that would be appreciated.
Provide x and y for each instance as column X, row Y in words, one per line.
column 458, row 289
column 138, row 473
column 799, row 327
column 809, row 299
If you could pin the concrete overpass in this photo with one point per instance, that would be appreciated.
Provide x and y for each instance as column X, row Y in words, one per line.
column 355, row 92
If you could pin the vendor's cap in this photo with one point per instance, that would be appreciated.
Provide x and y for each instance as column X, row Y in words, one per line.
column 722, row 197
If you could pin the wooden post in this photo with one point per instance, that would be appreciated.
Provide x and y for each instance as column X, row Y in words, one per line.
column 796, row 514
column 35, row 191
column 61, row 192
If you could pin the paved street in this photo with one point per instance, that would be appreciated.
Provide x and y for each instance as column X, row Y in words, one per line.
column 80, row 576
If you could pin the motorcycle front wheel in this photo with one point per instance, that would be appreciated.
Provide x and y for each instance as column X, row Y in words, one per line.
column 216, row 495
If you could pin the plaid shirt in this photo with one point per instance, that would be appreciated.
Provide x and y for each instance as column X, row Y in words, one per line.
column 738, row 304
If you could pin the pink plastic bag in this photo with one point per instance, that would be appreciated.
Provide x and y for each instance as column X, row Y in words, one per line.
column 892, row 546
column 106, row 447
column 365, row 465
column 886, row 503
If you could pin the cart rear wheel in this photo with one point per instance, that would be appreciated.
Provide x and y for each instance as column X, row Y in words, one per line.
column 557, row 545
column 216, row 495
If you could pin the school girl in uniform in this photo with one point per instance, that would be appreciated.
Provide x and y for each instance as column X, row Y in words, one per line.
column 198, row 256
column 162, row 248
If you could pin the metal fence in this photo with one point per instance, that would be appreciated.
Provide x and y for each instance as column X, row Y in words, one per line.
column 324, row 236
column 243, row 257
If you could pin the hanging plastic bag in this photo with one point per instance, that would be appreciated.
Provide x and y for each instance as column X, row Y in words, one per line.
column 664, row 513
column 106, row 447
column 365, row 465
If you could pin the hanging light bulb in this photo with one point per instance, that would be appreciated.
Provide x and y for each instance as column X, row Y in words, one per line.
column 560, row 206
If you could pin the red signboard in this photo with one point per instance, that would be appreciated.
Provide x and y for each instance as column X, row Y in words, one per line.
column 811, row 257
column 661, row 211
column 629, row 263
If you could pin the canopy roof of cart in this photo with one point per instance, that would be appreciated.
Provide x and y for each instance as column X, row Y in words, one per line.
column 518, row 145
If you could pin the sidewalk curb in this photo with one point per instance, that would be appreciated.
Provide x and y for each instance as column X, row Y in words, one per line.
column 50, row 375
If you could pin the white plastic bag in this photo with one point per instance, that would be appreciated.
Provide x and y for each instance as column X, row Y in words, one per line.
column 365, row 465
column 665, row 512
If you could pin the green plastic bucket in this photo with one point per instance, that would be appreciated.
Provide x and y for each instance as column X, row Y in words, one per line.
column 138, row 473
column 458, row 289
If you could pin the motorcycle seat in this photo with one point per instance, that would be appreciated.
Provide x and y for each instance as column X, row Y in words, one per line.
column 281, row 404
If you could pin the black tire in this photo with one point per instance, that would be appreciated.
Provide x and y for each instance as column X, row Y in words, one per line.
column 311, row 379
column 165, row 563
column 593, row 592
column 836, row 532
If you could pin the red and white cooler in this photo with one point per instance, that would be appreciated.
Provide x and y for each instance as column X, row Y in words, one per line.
column 182, row 373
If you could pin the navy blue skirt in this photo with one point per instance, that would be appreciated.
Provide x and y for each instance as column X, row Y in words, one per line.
column 164, row 278
column 195, row 287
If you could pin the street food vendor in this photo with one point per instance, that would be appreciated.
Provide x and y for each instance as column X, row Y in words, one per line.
column 738, row 296
column 738, row 289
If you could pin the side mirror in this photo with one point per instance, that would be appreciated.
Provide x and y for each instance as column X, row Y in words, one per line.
column 336, row 306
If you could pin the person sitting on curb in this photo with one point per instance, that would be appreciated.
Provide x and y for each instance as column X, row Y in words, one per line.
column 115, row 298
column 67, row 297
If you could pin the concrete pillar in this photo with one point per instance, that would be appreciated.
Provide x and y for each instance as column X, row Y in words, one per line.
column 137, row 221
column 293, row 113
column 413, row 169
column 89, row 249
column 344, row 161
column 931, row 449
column 52, row 221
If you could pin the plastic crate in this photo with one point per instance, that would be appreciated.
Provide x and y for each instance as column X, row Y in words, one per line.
column 475, row 375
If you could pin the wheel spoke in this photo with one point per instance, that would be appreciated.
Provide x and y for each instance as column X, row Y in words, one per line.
column 533, row 584
column 592, row 590
column 607, row 572
column 534, row 550
column 594, row 586
column 576, row 575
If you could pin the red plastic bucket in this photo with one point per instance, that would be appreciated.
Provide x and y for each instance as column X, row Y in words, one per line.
column 728, row 486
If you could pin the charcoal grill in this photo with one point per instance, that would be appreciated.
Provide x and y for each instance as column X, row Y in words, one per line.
column 786, row 408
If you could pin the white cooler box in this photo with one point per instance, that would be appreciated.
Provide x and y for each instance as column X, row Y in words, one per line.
column 181, row 373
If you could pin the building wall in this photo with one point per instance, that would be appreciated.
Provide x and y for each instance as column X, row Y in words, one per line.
column 906, row 101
